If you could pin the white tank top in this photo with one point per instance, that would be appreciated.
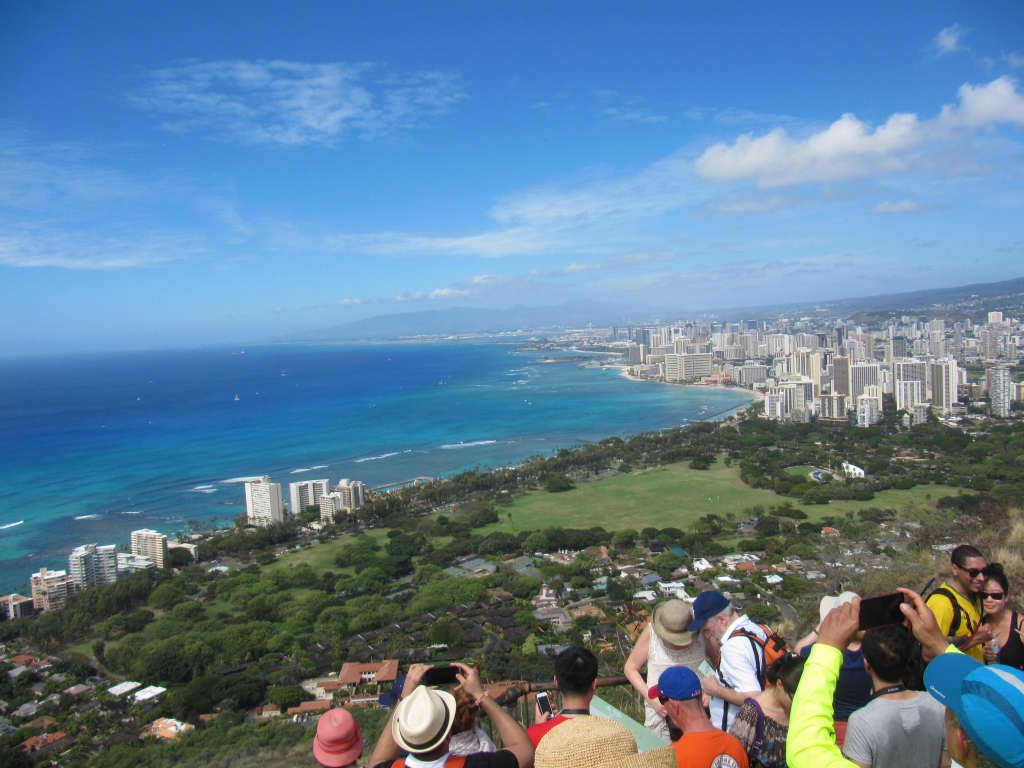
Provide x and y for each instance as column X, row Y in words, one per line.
column 660, row 657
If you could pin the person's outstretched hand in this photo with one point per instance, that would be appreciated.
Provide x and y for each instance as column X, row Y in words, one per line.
column 840, row 625
column 923, row 624
column 469, row 680
column 413, row 678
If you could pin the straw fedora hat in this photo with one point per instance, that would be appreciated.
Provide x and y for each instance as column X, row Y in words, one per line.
column 597, row 742
column 670, row 620
column 423, row 720
column 338, row 741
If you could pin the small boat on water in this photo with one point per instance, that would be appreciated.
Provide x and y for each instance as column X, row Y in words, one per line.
column 237, row 398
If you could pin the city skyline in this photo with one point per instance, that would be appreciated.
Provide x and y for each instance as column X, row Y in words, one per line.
column 168, row 184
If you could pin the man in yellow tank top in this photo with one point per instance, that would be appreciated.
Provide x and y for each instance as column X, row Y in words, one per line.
column 955, row 603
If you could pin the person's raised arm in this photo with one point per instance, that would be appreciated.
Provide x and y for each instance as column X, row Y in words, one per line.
column 809, row 639
column 513, row 735
column 635, row 662
column 386, row 750
column 811, row 742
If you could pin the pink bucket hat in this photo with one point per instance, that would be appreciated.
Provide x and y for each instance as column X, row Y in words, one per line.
column 338, row 741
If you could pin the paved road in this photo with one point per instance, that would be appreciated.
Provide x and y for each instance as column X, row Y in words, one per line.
column 788, row 611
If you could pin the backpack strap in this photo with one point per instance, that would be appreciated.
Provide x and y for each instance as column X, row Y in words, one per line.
column 958, row 612
column 758, row 646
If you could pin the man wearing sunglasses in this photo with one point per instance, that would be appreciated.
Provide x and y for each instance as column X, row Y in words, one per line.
column 956, row 605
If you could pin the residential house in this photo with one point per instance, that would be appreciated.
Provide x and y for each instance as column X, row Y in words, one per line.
column 166, row 728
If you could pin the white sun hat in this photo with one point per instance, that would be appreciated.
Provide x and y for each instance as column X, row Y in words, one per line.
column 423, row 720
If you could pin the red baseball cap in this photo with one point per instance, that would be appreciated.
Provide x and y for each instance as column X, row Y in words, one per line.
column 338, row 741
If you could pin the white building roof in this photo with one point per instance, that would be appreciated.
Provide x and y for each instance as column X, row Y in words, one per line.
column 147, row 694
column 122, row 688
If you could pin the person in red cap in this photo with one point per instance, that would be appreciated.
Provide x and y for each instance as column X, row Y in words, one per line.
column 338, row 742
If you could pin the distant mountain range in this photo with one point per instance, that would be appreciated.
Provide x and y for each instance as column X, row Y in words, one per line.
column 979, row 297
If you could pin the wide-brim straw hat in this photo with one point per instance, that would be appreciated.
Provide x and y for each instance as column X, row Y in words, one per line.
column 338, row 741
column 597, row 742
column 423, row 720
column 670, row 620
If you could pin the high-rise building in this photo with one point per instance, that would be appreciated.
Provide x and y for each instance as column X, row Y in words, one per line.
column 82, row 565
column 50, row 589
column 637, row 354
column 944, row 383
column 878, row 392
column 1001, row 391
column 868, row 412
column 995, row 318
column 832, row 408
column 906, row 371
column 263, row 504
column 353, row 493
column 331, row 506
column 696, row 366
column 862, row 375
column 105, row 560
column 14, row 606
column 909, row 394
column 127, row 563
column 841, row 376
column 989, row 338
column 151, row 544
column 899, row 346
column 307, row 494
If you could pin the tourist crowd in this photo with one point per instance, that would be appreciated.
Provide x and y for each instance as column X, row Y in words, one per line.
column 944, row 687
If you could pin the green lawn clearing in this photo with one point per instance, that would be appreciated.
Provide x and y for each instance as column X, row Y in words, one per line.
column 672, row 496
column 803, row 471
column 320, row 557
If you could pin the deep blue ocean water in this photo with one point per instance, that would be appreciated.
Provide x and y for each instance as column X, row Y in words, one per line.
column 95, row 446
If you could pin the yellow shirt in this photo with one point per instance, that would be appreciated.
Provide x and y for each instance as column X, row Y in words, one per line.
column 969, row 618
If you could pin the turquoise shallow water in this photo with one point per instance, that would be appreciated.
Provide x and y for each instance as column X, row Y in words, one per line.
column 96, row 446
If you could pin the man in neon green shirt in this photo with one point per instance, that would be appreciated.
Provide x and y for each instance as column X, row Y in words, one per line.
column 811, row 742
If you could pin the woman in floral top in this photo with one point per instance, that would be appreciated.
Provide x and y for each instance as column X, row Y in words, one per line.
column 762, row 723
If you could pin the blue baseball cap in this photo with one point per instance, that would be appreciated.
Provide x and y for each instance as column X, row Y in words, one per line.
column 706, row 605
column 678, row 683
column 987, row 701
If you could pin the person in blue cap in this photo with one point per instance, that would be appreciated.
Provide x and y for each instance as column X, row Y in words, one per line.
column 701, row 744
column 984, row 705
column 742, row 662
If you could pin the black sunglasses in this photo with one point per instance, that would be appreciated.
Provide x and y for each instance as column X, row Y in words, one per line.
column 972, row 572
column 992, row 595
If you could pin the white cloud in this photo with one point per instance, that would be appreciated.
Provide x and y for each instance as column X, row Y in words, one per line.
column 903, row 206
column 846, row 149
column 87, row 249
column 980, row 105
column 850, row 148
column 352, row 302
column 294, row 103
column 1014, row 59
column 948, row 40
column 447, row 293
column 576, row 268
column 407, row 296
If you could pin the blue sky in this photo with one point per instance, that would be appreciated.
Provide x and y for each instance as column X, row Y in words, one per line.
column 192, row 173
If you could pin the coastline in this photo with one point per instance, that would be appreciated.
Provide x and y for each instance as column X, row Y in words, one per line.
column 754, row 394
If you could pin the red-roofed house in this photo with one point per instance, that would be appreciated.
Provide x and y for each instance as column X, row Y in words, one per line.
column 367, row 674
column 828, row 531
column 43, row 743
column 23, row 660
column 310, row 706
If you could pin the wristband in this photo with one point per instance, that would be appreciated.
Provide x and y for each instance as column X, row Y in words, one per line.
column 484, row 695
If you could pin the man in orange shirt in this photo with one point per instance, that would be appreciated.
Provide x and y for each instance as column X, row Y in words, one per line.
column 701, row 745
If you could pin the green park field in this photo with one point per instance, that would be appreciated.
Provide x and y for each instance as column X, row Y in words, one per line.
column 673, row 496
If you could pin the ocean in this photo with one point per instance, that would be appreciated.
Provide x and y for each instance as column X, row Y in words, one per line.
column 95, row 446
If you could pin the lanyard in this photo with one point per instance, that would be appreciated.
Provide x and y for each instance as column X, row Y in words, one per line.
column 887, row 691
column 574, row 712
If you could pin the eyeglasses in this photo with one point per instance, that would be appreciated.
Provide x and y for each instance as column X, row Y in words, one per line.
column 972, row 572
column 992, row 595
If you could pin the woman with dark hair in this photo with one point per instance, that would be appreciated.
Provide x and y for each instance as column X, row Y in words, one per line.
column 762, row 723
column 1007, row 644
